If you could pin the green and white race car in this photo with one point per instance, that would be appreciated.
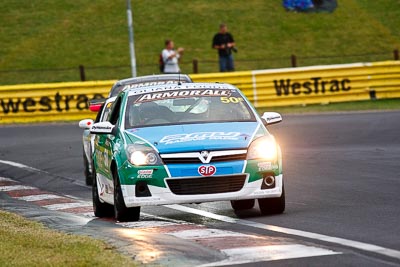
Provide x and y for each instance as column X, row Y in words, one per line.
column 189, row 143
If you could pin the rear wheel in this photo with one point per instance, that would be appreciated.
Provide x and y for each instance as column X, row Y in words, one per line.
column 100, row 209
column 89, row 177
column 121, row 212
column 275, row 205
column 245, row 204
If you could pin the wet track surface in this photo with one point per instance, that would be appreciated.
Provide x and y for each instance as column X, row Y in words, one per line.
column 342, row 178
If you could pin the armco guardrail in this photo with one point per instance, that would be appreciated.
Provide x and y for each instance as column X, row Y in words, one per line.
column 313, row 85
column 265, row 88
column 49, row 102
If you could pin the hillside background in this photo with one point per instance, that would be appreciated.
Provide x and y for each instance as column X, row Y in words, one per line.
column 46, row 40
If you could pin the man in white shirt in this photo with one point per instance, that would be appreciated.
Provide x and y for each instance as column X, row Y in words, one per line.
column 171, row 57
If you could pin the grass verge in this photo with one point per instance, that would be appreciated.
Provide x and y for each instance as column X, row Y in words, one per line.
column 368, row 105
column 27, row 243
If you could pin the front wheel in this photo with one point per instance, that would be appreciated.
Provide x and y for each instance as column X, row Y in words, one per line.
column 100, row 209
column 275, row 205
column 121, row 212
column 245, row 204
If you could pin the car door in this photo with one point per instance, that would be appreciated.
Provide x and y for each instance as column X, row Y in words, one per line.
column 105, row 142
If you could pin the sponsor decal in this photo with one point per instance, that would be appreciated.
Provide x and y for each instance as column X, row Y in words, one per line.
column 109, row 190
column 207, row 170
column 145, row 174
column 315, row 86
column 264, row 166
column 182, row 94
column 102, row 189
column 200, row 136
column 58, row 102
column 94, row 127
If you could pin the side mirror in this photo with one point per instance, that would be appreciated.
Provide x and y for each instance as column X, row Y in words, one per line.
column 86, row 124
column 104, row 127
column 271, row 118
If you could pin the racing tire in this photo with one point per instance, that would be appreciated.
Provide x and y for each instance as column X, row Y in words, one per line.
column 269, row 206
column 89, row 177
column 100, row 209
column 121, row 212
column 245, row 204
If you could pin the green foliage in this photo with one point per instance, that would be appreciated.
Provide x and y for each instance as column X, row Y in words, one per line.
column 48, row 34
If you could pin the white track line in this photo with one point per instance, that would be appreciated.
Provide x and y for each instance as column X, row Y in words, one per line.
column 336, row 240
column 39, row 197
column 4, row 179
column 64, row 206
column 8, row 188
column 206, row 233
column 147, row 224
column 88, row 214
column 155, row 221
column 269, row 253
column 18, row 165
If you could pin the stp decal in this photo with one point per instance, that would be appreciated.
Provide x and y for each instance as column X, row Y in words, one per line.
column 207, row 170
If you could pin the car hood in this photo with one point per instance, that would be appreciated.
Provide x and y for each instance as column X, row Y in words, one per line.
column 196, row 137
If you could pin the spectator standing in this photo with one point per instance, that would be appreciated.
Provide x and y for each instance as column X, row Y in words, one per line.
column 224, row 43
column 171, row 57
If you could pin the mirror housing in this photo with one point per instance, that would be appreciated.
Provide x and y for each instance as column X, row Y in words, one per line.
column 95, row 104
column 104, row 127
column 86, row 124
column 271, row 118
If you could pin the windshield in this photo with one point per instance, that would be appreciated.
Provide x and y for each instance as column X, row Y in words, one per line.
column 186, row 106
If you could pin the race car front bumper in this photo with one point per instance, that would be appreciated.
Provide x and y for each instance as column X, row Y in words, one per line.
column 173, row 194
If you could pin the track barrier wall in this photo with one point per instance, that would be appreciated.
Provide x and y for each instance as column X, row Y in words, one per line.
column 264, row 88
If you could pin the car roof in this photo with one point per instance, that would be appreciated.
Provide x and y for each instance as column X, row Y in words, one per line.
column 185, row 86
column 148, row 81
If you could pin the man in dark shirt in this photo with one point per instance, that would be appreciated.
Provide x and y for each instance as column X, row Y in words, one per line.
column 223, row 41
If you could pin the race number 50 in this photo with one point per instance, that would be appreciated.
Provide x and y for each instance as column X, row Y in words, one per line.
column 232, row 99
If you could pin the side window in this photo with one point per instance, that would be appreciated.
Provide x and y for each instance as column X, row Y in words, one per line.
column 107, row 111
column 98, row 116
column 115, row 111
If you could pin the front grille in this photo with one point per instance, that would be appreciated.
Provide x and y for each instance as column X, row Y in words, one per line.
column 181, row 160
column 186, row 160
column 207, row 185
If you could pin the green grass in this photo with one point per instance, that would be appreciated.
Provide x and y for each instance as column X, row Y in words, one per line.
column 27, row 243
column 48, row 34
column 381, row 105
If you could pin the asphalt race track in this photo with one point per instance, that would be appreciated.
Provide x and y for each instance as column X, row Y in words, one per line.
column 342, row 179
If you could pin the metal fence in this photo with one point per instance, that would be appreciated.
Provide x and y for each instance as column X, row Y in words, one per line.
column 90, row 73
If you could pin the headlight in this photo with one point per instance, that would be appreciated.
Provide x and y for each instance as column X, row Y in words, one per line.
column 140, row 155
column 262, row 148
